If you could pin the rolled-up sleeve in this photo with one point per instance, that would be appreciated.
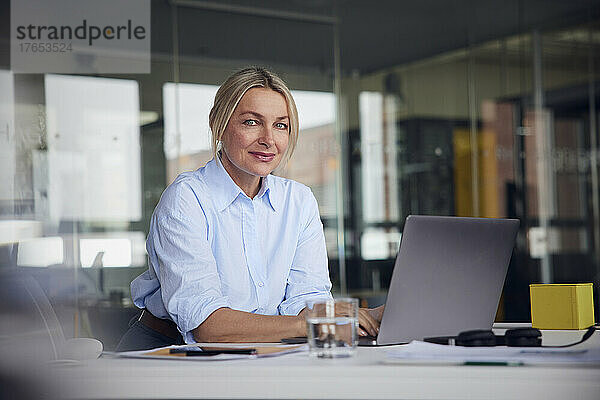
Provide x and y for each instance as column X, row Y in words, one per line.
column 308, row 280
column 187, row 270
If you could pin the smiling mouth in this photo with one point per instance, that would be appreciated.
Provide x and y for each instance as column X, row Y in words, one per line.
column 265, row 157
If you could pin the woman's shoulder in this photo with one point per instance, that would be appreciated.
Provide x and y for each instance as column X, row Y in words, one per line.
column 293, row 196
column 186, row 192
column 187, row 183
column 291, row 187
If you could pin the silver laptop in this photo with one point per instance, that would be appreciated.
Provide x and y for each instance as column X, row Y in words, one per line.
column 448, row 277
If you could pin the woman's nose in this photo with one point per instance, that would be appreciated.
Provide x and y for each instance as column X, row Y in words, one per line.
column 266, row 137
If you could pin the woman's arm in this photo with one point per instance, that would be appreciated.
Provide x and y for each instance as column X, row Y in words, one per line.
column 227, row 325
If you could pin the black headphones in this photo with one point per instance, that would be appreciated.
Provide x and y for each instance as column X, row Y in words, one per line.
column 519, row 337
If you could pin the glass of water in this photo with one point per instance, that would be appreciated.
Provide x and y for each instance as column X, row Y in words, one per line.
column 332, row 328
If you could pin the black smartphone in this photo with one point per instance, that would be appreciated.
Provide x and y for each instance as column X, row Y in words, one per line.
column 295, row 340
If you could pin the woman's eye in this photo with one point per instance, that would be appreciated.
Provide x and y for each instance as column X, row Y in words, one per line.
column 250, row 122
column 281, row 125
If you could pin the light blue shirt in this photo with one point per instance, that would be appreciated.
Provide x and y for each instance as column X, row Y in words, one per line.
column 211, row 246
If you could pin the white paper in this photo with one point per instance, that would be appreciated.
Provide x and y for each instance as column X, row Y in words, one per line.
column 286, row 349
column 436, row 353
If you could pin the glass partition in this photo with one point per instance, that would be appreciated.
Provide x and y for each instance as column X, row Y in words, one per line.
column 506, row 128
column 495, row 125
column 84, row 158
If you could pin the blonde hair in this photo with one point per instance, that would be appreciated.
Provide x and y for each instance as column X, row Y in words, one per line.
column 231, row 92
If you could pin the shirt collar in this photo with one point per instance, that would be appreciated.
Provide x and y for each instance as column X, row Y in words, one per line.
column 267, row 193
column 225, row 190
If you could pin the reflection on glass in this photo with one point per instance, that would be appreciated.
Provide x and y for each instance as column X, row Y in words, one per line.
column 93, row 155
column 105, row 252
column 380, row 244
column 41, row 252
column 7, row 142
column 379, row 164
column 114, row 249
column 187, row 140
column 315, row 159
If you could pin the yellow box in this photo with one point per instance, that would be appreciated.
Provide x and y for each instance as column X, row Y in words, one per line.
column 562, row 306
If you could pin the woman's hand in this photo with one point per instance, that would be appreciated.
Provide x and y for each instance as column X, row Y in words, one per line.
column 369, row 320
column 377, row 312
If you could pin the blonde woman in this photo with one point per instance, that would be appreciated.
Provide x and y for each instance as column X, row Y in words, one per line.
column 236, row 254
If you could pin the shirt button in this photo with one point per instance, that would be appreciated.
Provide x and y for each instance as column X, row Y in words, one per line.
column 261, row 284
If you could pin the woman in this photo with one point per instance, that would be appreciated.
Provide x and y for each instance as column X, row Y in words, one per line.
column 235, row 253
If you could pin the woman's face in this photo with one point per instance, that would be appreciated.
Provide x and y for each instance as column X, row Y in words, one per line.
column 256, row 136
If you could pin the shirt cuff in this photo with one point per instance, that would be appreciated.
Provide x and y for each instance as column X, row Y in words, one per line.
column 311, row 302
column 300, row 303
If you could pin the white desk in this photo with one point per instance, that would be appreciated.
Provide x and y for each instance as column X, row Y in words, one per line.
column 298, row 376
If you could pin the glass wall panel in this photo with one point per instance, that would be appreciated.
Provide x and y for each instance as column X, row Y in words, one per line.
column 505, row 128
column 85, row 158
column 568, row 105
column 492, row 118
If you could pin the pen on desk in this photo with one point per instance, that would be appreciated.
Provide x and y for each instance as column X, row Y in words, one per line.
column 200, row 352
column 495, row 363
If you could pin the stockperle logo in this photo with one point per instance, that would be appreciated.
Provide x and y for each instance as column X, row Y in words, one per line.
column 80, row 36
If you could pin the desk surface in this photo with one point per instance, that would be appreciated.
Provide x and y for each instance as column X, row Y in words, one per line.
column 299, row 376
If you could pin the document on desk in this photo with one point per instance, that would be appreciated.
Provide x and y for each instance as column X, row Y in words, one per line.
column 422, row 352
column 214, row 352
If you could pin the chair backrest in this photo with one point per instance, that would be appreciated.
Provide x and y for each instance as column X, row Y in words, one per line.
column 33, row 322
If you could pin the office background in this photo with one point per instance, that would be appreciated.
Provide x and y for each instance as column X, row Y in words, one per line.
column 467, row 108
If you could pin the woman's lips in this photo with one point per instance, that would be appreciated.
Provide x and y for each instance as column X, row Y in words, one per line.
column 265, row 157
